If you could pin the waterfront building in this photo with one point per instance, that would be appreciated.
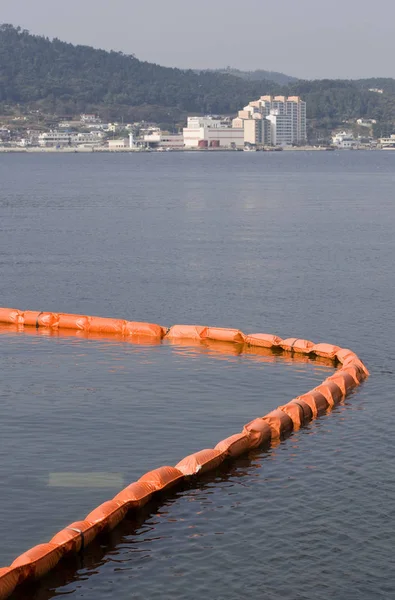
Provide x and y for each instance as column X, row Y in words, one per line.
column 225, row 137
column 67, row 138
column 284, row 120
column 151, row 135
column 280, row 128
column 55, row 138
column 208, row 121
column 119, row 144
column 246, row 113
column 387, row 142
column 238, row 123
column 31, row 139
column 296, row 111
column 344, row 140
column 270, row 120
column 213, row 130
column 253, row 131
column 171, row 140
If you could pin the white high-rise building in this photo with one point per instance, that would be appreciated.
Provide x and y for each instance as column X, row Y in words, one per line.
column 296, row 110
column 285, row 119
column 280, row 128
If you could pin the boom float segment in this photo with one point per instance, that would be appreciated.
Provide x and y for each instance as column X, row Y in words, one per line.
column 269, row 429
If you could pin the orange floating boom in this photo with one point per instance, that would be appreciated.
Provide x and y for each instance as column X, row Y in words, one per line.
column 41, row 559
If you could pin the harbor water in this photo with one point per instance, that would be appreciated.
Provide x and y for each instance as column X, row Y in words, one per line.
column 293, row 243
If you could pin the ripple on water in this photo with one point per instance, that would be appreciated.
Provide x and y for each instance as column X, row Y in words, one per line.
column 89, row 417
column 291, row 243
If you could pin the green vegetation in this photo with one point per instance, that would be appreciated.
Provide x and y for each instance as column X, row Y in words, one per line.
column 58, row 78
column 335, row 103
column 66, row 79
column 258, row 75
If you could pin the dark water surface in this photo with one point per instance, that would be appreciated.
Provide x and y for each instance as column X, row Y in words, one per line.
column 298, row 244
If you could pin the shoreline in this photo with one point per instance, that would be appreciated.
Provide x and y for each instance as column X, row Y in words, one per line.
column 84, row 150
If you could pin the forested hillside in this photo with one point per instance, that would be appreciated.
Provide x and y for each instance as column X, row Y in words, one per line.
column 71, row 79
column 332, row 102
column 259, row 75
column 60, row 78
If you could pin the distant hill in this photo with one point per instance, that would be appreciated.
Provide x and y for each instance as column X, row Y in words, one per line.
column 333, row 103
column 259, row 75
column 60, row 78
column 64, row 78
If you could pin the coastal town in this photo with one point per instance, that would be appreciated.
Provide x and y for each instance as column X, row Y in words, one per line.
column 269, row 123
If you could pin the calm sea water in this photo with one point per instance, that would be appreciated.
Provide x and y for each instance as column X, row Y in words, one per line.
column 299, row 244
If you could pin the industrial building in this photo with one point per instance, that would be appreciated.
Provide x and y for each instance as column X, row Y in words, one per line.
column 202, row 132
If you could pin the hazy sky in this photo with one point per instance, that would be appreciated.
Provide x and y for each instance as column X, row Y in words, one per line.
column 305, row 38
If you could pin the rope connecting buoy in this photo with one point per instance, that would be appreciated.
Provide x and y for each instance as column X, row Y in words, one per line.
column 266, row 430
